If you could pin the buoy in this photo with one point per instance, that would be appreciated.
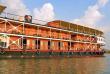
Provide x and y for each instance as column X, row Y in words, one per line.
column 79, row 52
column 62, row 52
column 2, row 51
column 71, row 52
column 51, row 52
column 38, row 52
column 23, row 52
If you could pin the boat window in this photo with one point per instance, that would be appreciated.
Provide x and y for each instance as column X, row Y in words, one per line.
column 41, row 43
column 33, row 42
column 24, row 41
column 46, row 43
column 63, row 44
column 57, row 44
column 28, row 42
column 52, row 44
column 19, row 41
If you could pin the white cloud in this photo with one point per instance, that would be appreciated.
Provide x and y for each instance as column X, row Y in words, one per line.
column 18, row 7
column 15, row 7
column 90, row 18
column 102, row 3
column 92, row 15
column 45, row 13
column 105, row 28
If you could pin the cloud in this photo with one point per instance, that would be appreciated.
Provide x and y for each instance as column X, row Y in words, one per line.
column 105, row 28
column 45, row 13
column 15, row 7
column 102, row 3
column 92, row 15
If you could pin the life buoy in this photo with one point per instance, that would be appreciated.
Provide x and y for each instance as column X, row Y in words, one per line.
column 79, row 52
column 38, row 52
column 62, row 52
column 72, row 53
column 51, row 52
column 2, row 51
column 23, row 52
column 86, row 52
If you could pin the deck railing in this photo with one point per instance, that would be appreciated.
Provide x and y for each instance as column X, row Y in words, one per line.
column 47, row 35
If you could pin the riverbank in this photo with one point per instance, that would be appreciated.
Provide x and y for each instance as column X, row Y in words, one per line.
column 107, row 51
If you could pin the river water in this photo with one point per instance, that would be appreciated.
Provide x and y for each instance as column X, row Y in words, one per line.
column 85, row 65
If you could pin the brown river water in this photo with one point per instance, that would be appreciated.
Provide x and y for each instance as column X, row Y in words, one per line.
column 84, row 65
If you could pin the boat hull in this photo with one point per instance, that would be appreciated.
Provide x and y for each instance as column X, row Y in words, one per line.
column 42, row 54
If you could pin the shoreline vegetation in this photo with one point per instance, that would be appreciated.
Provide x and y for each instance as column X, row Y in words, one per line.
column 107, row 51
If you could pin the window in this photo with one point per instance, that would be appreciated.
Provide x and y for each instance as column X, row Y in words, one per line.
column 28, row 42
column 57, row 44
column 41, row 43
column 19, row 41
column 99, row 39
column 52, row 44
column 46, row 43
column 33, row 43
column 63, row 44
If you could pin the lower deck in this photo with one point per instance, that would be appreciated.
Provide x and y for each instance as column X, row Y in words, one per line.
column 14, row 42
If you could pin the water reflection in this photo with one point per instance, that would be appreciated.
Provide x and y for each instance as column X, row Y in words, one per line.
column 93, row 65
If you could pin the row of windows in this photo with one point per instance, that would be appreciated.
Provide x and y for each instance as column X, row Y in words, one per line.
column 46, row 43
column 100, row 39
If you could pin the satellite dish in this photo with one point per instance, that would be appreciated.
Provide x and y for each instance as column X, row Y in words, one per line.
column 2, row 8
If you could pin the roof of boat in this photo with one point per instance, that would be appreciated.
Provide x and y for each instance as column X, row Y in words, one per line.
column 73, row 26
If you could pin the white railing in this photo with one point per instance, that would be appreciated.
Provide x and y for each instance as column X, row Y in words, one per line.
column 21, row 18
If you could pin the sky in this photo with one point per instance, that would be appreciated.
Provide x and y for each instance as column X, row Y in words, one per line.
column 90, row 13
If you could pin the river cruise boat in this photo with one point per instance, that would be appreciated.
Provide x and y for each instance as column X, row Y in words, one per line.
column 25, row 37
